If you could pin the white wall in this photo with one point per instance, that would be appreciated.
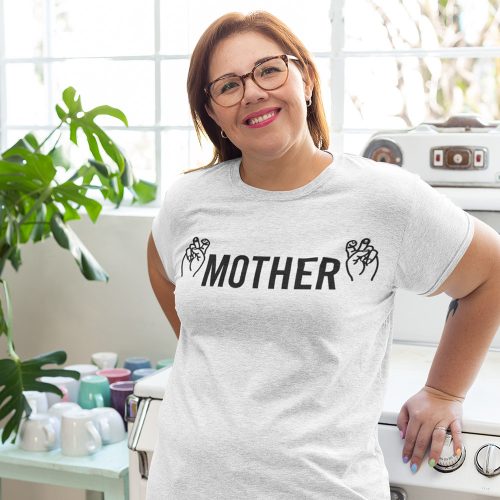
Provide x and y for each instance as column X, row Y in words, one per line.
column 56, row 308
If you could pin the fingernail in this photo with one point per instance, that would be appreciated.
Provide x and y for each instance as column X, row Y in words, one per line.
column 405, row 460
column 432, row 462
column 401, row 434
column 413, row 468
column 458, row 451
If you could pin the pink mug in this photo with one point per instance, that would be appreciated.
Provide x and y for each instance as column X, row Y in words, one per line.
column 115, row 374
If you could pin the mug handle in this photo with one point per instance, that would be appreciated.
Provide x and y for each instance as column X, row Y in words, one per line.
column 50, row 435
column 99, row 400
column 104, row 426
column 96, row 438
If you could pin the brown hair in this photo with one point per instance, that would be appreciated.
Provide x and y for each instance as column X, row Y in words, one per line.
column 271, row 27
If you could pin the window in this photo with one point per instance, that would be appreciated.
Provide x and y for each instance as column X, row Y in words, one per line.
column 383, row 64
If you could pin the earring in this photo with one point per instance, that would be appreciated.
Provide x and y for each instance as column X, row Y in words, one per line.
column 224, row 136
column 308, row 102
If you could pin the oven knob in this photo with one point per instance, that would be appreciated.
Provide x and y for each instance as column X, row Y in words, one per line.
column 488, row 460
column 448, row 462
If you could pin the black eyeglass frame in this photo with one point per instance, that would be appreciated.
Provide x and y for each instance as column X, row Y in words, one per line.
column 250, row 74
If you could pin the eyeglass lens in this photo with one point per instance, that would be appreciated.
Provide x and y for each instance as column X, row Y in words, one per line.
column 268, row 75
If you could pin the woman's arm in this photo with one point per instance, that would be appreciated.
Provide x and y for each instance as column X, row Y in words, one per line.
column 162, row 287
column 472, row 322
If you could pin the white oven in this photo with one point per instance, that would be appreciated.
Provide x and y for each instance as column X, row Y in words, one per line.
column 474, row 476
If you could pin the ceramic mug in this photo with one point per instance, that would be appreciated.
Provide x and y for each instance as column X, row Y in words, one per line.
column 70, row 384
column 115, row 374
column 94, row 392
column 39, row 433
column 119, row 393
column 79, row 436
column 142, row 372
column 135, row 362
column 37, row 400
column 83, row 369
column 104, row 359
column 57, row 410
column 163, row 363
column 109, row 424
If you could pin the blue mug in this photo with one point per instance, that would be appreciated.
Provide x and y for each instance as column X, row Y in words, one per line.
column 136, row 362
column 143, row 372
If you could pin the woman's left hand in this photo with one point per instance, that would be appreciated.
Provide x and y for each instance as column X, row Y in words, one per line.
column 423, row 420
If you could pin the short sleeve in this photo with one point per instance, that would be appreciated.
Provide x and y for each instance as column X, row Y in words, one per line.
column 436, row 237
column 163, row 235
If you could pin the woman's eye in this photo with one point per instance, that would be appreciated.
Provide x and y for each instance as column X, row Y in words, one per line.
column 228, row 86
column 269, row 70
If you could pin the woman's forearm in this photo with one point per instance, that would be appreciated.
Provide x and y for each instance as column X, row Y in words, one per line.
column 471, row 324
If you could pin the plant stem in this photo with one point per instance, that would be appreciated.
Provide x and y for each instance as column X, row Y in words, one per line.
column 46, row 193
column 8, row 322
column 47, row 138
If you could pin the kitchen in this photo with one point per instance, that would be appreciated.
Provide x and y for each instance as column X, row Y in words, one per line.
column 54, row 308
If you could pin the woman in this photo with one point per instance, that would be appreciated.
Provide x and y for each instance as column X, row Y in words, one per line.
column 284, row 259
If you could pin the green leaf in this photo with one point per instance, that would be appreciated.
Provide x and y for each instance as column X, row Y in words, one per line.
column 59, row 159
column 38, row 230
column 61, row 113
column 144, row 191
column 15, row 258
column 31, row 140
column 70, row 192
column 74, row 105
column 17, row 376
column 21, row 144
column 66, row 238
column 108, row 110
column 40, row 165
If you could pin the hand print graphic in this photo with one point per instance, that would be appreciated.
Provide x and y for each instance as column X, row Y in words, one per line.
column 360, row 258
column 194, row 257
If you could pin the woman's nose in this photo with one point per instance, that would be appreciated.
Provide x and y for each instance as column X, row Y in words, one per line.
column 252, row 92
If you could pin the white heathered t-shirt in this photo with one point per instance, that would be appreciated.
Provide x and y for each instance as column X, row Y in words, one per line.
column 285, row 300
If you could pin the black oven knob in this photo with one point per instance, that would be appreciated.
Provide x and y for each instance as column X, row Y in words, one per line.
column 488, row 460
column 398, row 493
column 384, row 150
column 448, row 462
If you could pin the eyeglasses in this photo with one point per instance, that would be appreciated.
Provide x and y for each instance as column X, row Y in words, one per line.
column 269, row 74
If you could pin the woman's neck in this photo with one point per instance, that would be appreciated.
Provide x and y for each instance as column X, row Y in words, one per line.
column 292, row 170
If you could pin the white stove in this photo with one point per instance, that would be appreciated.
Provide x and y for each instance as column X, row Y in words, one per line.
column 409, row 367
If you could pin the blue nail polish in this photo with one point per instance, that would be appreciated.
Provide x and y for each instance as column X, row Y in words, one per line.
column 413, row 468
column 405, row 460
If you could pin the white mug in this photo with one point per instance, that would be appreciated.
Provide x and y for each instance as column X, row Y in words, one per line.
column 39, row 433
column 57, row 410
column 83, row 369
column 79, row 436
column 37, row 400
column 109, row 423
column 70, row 384
column 105, row 359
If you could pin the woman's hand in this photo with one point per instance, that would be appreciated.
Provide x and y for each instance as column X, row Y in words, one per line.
column 423, row 420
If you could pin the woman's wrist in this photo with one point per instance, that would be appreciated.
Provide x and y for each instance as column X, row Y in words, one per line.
column 445, row 395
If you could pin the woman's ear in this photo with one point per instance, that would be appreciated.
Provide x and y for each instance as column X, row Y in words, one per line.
column 211, row 113
column 308, row 83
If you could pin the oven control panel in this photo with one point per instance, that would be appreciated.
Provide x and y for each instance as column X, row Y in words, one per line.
column 459, row 157
column 476, row 472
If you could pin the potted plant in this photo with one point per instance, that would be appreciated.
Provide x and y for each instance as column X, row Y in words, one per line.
column 40, row 192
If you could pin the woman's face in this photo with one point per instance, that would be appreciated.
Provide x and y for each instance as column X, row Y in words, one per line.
column 274, row 137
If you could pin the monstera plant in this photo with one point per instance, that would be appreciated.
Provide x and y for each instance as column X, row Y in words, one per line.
column 40, row 192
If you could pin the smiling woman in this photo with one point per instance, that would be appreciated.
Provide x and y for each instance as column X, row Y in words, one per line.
column 277, row 265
